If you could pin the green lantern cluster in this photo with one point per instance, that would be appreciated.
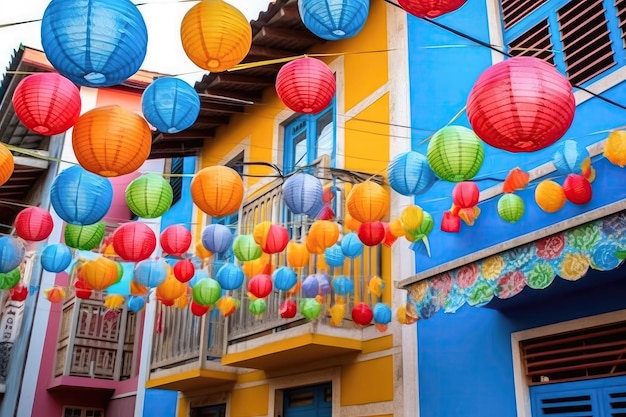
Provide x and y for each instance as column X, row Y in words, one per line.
column 9, row 279
column 206, row 292
column 511, row 207
column 85, row 237
column 246, row 249
column 455, row 153
column 149, row 196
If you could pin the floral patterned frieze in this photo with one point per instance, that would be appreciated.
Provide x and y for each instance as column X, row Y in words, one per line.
column 600, row 245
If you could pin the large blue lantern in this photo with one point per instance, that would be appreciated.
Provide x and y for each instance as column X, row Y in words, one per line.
column 170, row 104
column 410, row 174
column 217, row 238
column 351, row 245
column 284, row 278
column 334, row 19
column 11, row 253
column 150, row 272
column 302, row 193
column 94, row 43
column 56, row 257
column 80, row 197
column 230, row 277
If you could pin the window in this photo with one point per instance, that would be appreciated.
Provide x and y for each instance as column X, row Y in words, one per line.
column 315, row 401
column 82, row 412
column 210, row 411
column 176, row 180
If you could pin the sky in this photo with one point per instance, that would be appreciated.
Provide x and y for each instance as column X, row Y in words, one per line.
column 165, row 53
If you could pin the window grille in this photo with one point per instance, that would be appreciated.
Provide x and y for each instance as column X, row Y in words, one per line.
column 515, row 10
column 534, row 42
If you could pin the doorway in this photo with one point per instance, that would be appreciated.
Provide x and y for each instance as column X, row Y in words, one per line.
column 310, row 401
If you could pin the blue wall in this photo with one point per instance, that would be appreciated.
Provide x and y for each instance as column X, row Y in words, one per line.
column 160, row 403
column 182, row 211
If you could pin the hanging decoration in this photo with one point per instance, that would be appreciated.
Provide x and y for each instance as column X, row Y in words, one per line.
column 577, row 189
column 170, row 289
column 99, row 273
column 310, row 308
column 217, row 190
column 334, row 256
column 55, row 294
column 134, row 241
column 175, row 240
column 334, row 20
column 511, row 208
column 297, row 255
column 371, row 233
column 11, row 253
column 170, row 104
column 569, row 158
column 34, row 224
column 82, row 289
column 416, row 223
column 362, row 314
column 94, row 43
column 260, row 285
column 382, row 316
column 430, row 8
column 455, row 153
column 343, row 286
column 202, row 252
column 550, row 196
column 217, row 238
column 465, row 197
column 56, row 258
column 351, row 245
column 615, row 148
column 9, row 279
column 284, row 278
column 227, row 305
column 206, row 292
column 19, row 292
column 368, row 202
column 258, row 266
column 306, row 85
column 522, row 104
column 136, row 304
column 149, row 196
column 515, row 180
column 301, row 192
column 389, row 238
column 409, row 174
column 184, row 270
column 322, row 235
column 257, row 307
column 85, row 237
column 246, row 249
column 197, row 309
column 230, row 277
column 288, row 309
column 271, row 238
column 7, row 164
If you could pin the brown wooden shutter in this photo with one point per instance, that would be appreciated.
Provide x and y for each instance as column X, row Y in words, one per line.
column 515, row 10
column 534, row 42
column 620, row 5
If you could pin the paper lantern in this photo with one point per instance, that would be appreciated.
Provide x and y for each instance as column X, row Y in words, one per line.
column 99, row 273
column 569, row 158
column 306, row 85
column 217, row 190
column 371, row 233
column 322, row 234
column 217, row 238
column 9, row 279
column 515, row 180
column 184, row 270
column 301, row 192
column 246, row 249
column 85, row 237
column 351, row 246
column 389, row 238
column 382, row 313
column 284, row 278
column 202, row 252
column 362, row 314
column 170, row 104
column 455, row 153
column 522, row 104
column 137, row 289
column 324, row 283
column 260, row 285
column 258, row 266
column 227, row 305
column 368, row 202
column 114, row 302
column 111, row 141
column 197, row 309
column 11, row 253
column 334, row 20
column 175, row 240
column 271, row 238
column 550, row 196
column 150, row 273
column 170, row 289
column 7, row 164
column 310, row 308
column 94, row 43
column 215, row 35
column 396, row 227
column 134, row 241
column 310, row 287
column 19, row 292
column 82, row 290
column 350, row 222
column 465, row 194
column 409, row 174
column 334, row 256
column 47, row 103
column 257, row 307
column 343, row 286
column 136, row 304
column 230, row 277
column 56, row 258
column 297, row 255
column 206, row 292
column 149, row 196
column 80, row 197
column 577, row 189
column 511, row 208
column 288, row 309
column 34, row 224
column 430, row 8
column 614, row 148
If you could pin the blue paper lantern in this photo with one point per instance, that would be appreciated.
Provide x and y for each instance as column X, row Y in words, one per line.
column 351, row 245
column 170, row 104
column 342, row 285
column 56, row 257
column 334, row 19
column 323, row 284
column 80, row 197
column 217, row 238
column 284, row 278
column 302, row 193
column 94, row 43
column 150, row 272
column 568, row 159
column 410, row 174
column 382, row 313
column 230, row 277
column 334, row 256
column 11, row 253
column 135, row 303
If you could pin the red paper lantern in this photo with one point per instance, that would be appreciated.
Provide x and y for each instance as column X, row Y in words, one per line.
column 306, row 85
column 166, row 302
column 430, row 8
column 175, row 240
column 288, row 309
column 371, row 233
column 82, row 289
column 522, row 104
column 47, row 103
column 276, row 240
column 389, row 238
column 465, row 194
column 362, row 314
column 450, row 223
column 19, row 292
column 184, row 270
column 577, row 189
column 33, row 223
column 134, row 241
column 197, row 309
column 260, row 285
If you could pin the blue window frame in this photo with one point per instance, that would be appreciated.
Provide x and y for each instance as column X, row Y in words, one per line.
column 311, row 401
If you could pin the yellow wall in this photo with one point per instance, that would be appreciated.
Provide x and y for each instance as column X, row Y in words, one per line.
column 249, row 402
column 357, row 379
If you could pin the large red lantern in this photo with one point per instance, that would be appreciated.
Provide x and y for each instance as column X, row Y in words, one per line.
column 175, row 240
column 34, row 224
column 465, row 194
column 522, row 104
column 371, row 233
column 430, row 8
column 306, row 85
column 134, row 241
column 577, row 189
column 47, row 103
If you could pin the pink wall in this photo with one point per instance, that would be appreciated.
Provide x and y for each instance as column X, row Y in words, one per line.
column 119, row 211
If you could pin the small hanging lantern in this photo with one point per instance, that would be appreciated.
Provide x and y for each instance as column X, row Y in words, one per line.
column 34, row 224
column 246, row 249
column 85, row 237
column 310, row 308
column 150, row 273
column 136, row 304
column 56, row 258
column 99, row 273
column 257, row 307
column 260, row 285
column 334, row 256
column 55, row 294
column 550, row 196
column 217, row 238
column 343, row 286
column 516, row 179
column 82, row 290
column 170, row 289
column 7, row 164
column 322, row 234
column 284, row 278
column 297, row 255
column 569, row 158
column 455, row 153
column 230, row 277
column 11, row 253
column 149, row 196
column 368, row 202
column 430, row 8
column 389, row 238
column 206, row 292
column 511, row 208
column 409, row 174
column 217, row 190
column 9, row 279
column 362, row 314
column 227, row 305
column 197, row 309
column 306, row 85
column 47, row 103
column 175, row 240
column 382, row 316
column 288, row 309
column 614, row 148
column 301, row 192
column 465, row 194
column 351, row 245
column 333, row 20
column 184, row 270
column 371, row 233
column 18, row 292
column 202, row 252
column 170, row 105
column 272, row 238
column 94, row 43
column 134, row 241
column 311, row 286
column 577, row 189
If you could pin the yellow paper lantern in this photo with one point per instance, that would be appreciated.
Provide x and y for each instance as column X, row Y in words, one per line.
column 368, row 202
column 217, row 190
column 171, row 289
column 615, row 148
column 260, row 233
column 201, row 251
column 215, row 35
column 412, row 217
column 351, row 223
column 297, row 255
column 550, row 196
column 396, row 228
column 111, row 141
column 99, row 273
column 322, row 235
column 257, row 266
column 137, row 289
column 182, row 301
column 114, row 301
column 7, row 164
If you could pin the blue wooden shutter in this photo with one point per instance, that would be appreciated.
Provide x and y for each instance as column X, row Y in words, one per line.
column 614, row 399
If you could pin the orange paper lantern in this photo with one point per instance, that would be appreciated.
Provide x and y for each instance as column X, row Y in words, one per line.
column 297, row 255
column 217, row 190
column 170, row 289
column 99, row 273
column 550, row 196
column 322, row 235
column 368, row 202
column 615, row 148
column 7, row 164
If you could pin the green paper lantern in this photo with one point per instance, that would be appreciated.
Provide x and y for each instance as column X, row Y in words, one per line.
column 206, row 292
column 257, row 307
column 425, row 227
column 246, row 249
column 149, row 196
column 455, row 153
column 120, row 271
column 9, row 279
column 511, row 207
column 86, row 237
column 310, row 308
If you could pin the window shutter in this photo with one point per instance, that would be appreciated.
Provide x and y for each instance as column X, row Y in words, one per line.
column 515, row 10
column 176, row 181
column 620, row 5
column 578, row 403
column 534, row 42
column 615, row 401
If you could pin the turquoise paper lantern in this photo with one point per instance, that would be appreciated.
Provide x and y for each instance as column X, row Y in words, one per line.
column 135, row 303
column 150, row 272
column 382, row 314
column 56, row 258
column 569, row 158
column 170, row 104
column 351, row 245
column 230, row 277
column 334, row 256
column 284, row 278
column 334, row 19
column 11, row 253
column 409, row 174
column 94, row 43
column 343, row 285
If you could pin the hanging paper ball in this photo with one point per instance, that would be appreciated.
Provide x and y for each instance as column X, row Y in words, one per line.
column 258, row 266
column 150, row 273
column 257, row 307
column 368, row 202
column 85, row 237
column 197, row 309
column 134, row 241
column 170, row 289
column 409, row 174
column 371, row 233
column 34, row 224
column 170, row 104
column 80, row 197
column 334, row 20
column 310, row 287
column 94, row 43
column 7, row 164
column 322, row 234
column 569, row 158
column 351, row 246
column 114, row 302
column 137, row 289
column 82, row 290
column 215, row 35
column 284, row 278
column 175, row 240
column 350, row 223
column 310, row 308
column 217, row 190
column 246, row 249
column 430, row 8
column 362, row 314
column 577, row 189
column 111, row 141
column 260, row 285
column 522, row 104
column 288, row 309
column 465, row 194
column 382, row 313
column 230, row 277
column 55, row 294
column 184, row 270
column 47, row 103
column 271, row 238
column 99, row 273
column 202, row 252
column 511, row 208
column 136, row 304
column 217, row 238
column 306, row 85
column 614, row 148
column 11, row 253
column 455, row 153
column 9, row 279
column 19, row 292
column 149, row 196
column 227, row 305
column 56, row 258
column 389, row 238
column 421, row 231
column 516, row 179
column 324, row 284
column 206, row 292
column 334, row 256
column 297, row 255
column 301, row 192
column 550, row 196
column 343, row 286
column 450, row 223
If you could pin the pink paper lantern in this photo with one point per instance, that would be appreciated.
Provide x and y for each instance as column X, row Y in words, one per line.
column 306, row 85
column 430, row 8
column 34, row 224
column 465, row 194
column 134, row 241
